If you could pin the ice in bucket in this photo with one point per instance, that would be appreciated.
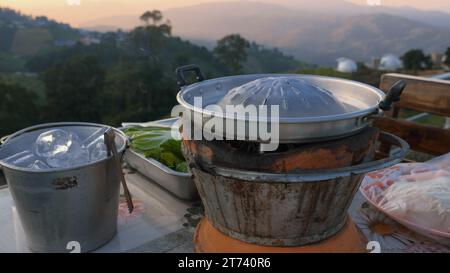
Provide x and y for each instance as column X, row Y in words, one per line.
column 61, row 149
column 58, row 148
column 38, row 165
column 95, row 145
column 54, row 142
column 22, row 159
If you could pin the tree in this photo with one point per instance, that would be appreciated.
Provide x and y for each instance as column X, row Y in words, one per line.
column 72, row 89
column 416, row 60
column 232, row 52
column 155, row 15
column 150, row 93
column 18, row 108
column 447, row 57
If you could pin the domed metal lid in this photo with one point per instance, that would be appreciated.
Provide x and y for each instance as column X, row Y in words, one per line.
column 295, row 97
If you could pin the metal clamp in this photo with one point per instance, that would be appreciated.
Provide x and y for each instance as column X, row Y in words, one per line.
column 180, row 71
column 322, row 174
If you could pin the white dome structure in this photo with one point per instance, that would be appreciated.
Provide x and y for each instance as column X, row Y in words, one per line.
column 390, row 62
column 346, row 65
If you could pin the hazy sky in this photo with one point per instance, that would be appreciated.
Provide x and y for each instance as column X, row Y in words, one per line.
column 68, row 10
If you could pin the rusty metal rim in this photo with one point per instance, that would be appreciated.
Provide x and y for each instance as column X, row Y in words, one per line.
column 321, row 175
column 287, row 242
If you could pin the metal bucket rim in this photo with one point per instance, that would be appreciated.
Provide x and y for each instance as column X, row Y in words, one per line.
column 61, row 124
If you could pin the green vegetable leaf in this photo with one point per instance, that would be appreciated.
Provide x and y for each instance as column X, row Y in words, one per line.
column 157, row 143
column 169, row 159
column 182, row 167
column 173, row 146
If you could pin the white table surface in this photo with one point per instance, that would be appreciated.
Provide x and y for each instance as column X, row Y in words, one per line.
column 163, row 223
column 160, row 222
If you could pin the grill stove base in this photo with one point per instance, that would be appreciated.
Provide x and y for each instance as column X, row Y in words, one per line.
column 208, row 239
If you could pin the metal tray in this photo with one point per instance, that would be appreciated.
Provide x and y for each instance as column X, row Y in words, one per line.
column 178, row 183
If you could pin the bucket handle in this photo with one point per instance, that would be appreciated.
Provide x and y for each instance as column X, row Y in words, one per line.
column 2, row 140
column 324, row 174
column 110, row 143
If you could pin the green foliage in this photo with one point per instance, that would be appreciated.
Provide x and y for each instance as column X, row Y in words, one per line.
column 129, row 76
column 324, row 71
column 29, row 41
column 10, row 63
column 416, row 60
column 22, row 37
column 17, row 108
column 73, row 88
column 447, row 57
column 155, row 16
column 30, row 82
column 364, row 74
column 182, row 167
column 157, row 143
column 232, row 52
column 107, row 54
column 141, row 90
column 6, row 37
column 263, row 60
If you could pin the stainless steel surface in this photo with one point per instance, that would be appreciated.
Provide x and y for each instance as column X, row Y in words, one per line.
column 71, row 204
column 178, row 183
column 321, row 175
column 295, row 97
column 360, row 99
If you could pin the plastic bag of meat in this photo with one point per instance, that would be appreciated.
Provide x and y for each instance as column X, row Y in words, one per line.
column 415, row 194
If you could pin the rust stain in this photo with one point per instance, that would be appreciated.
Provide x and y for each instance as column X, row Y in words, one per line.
column 64, row 183
column 207, row 152
column 308, row 160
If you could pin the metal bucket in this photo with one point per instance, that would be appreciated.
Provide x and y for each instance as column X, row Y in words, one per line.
column 280, row 209
column 58, row 206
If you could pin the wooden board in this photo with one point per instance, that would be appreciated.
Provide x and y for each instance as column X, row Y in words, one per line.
column 421, row 94
column 422, row 138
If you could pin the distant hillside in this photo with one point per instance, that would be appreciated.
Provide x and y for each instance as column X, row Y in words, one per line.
column 320, row 34
column 19, row 33
column 360, row 7
column 312, row 37
column 22, row 36
column 36, row 42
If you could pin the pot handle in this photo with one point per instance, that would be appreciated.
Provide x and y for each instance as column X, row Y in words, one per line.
column 180, row 71
column 323, row 174
column 393, row 95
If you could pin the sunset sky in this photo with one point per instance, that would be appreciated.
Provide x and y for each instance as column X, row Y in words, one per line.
column 62, row 10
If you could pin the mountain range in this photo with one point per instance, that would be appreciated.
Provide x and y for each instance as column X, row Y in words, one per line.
column 318, row 34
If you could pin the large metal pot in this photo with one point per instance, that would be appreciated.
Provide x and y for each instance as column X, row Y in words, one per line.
column 319, row 108
column 57, row 206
